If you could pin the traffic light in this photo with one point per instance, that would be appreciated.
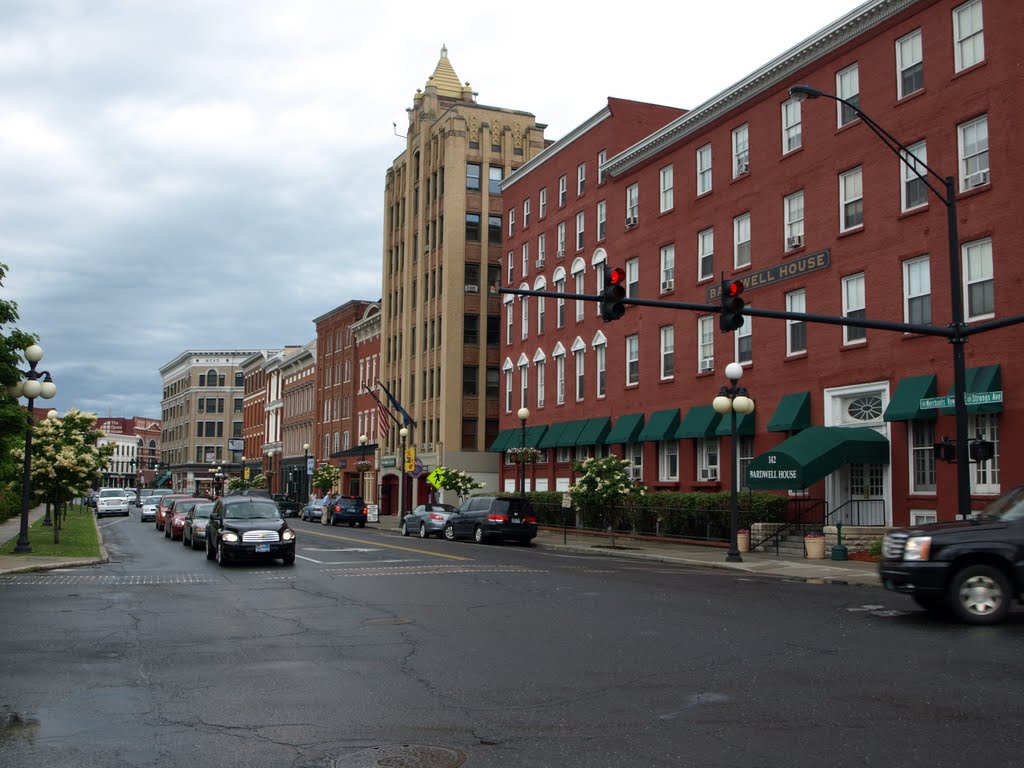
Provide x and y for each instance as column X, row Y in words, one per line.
column 132, row 463
column 732, row 306
column 614, row 292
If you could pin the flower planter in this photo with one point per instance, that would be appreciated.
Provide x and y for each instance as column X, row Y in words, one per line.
column 743, row 541
column 815, row 547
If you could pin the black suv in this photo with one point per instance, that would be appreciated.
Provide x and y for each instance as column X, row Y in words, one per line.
column 249, row 527
column 347, row 509
column 485, row 518
column 971, row 568
column 289, row 507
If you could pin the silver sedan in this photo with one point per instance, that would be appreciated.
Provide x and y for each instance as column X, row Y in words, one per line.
column 427, row 520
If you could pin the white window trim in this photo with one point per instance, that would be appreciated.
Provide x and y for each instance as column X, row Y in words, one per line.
column 704, row 153
column 663, row 351
column 840, row 92
column 958, row 38
column 667, row 199
column 632, row 355
column 843, row 201
column 907, row 174
column 701, row 253
column 736, row 224
column 847, row 307
column 900, row 66
column 961, row 158
column 705, row 364
column 906, row 284
column 792, row 299
column 964, row 259
column 740, row 157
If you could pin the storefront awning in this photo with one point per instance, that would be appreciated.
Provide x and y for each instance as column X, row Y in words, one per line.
column 792, row 414
column 700, row 422
column 571, row 433
column 594, row 431
column 626, row 429
column 164, row 478
column 744, row 425
column 905, row 404
column 661, row 426
column 533, row 436
column 501, row 441
column 979, row 380
column 813, row 454
column 550, row 439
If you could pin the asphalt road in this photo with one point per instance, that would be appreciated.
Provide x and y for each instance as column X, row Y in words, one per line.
column 375, row 649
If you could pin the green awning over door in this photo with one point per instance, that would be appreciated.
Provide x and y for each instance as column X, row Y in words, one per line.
column 626, row 429
column 661, row 426
column 792, row 414
column 700, row 422
column 501, row 441
column 813, row 454
column 594, row 431
column 905, row 404
column 744, row 425
column 978, row 380
column 571, row 433
column 550, row 439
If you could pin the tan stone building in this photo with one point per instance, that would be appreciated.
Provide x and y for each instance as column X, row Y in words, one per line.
column 298, row 395
column 443, row 225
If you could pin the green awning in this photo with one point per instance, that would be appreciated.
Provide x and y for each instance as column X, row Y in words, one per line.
column 701, row 421
column 164, row 478
column 905, row 404
column 813, row 454
column 571, row 433
column 792, row 414
column 533, row 437
column 501, row 441
column 626, row 429
column 550, row 439
column 594, row 431
column 978, row 380
column 744, row 425
column 662, row 426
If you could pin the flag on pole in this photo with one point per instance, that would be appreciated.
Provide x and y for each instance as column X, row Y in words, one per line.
column 406, row 418
column 384, row 416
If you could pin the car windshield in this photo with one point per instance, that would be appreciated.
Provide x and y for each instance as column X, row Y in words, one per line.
column 203, row 511
column 111, row 494
column 255, row 510
column 349, row 503
column 1008, row 507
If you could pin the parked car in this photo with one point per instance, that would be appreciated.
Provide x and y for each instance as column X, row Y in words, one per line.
column 288, row 506
column 151, row 502
column 347, row 509
column 427, row 520
column 164, row 505
column 174, row 524
column 193, row 534
column 90, row 499
column 111, row 501
column 970, row 568
column 314, row 511
column 248, row 527
column 487, row 518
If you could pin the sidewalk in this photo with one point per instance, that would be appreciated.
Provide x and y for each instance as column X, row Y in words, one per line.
column 10, row 529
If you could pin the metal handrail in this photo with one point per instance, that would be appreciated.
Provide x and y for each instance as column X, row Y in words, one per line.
column 859, row 516
column 798, row 524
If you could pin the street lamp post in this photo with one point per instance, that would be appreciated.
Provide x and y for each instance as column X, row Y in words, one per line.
column 305, row 472
column 51, row 415
column 957, row 325
column 404, row 434
column 30, row 388
column 363, row 440
column 524, row 414
column 732, row 400
column 241, row 477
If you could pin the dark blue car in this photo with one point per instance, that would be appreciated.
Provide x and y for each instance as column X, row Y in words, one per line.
column 348, row 509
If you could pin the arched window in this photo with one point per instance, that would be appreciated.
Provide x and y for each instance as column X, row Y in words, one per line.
column 211, row 378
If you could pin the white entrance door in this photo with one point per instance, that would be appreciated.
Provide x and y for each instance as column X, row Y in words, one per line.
column 860, row 495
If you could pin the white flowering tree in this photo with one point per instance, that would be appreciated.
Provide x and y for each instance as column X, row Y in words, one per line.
column 65, row 460
column 457, row 481
column 605, row 489
column 325, row 477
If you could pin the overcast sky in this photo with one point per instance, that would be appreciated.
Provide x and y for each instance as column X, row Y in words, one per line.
column 204, row 174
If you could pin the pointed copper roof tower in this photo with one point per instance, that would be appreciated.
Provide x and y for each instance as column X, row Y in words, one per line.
column 444, row 78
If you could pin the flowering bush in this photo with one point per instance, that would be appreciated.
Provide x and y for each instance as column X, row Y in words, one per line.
column 814, row 535
column 458, row 481
column 523, row 455
column 604, row 487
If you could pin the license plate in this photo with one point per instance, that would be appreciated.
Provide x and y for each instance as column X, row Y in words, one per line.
column 516, row 521
column 262, row 547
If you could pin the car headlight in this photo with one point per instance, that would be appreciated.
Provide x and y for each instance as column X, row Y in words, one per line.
column 229, row 536
column 917, row 548
column 288, row 535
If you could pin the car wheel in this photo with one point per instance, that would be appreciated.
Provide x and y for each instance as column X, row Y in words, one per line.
column 209, row 550
column 526, row 542
column 404, row 528
column 289, row 559
column 351, row 525
column 478, row 535
column 222, row 558
column 423, row 530
column 362, row 523
column 183, row 542
column 449, row 532
column 167, row 532
column 980, row 594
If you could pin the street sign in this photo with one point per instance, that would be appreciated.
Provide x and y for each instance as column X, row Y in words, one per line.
column 372, row 513
column 971, row 398
column 436, row 478
column 410, row 459
column 387, row 461
column 566, row 501
column 236, row 444
column 309, row 465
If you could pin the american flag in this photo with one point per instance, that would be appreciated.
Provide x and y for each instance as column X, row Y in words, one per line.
column 383, row 421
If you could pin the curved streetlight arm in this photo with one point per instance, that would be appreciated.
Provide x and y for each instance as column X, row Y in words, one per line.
column 801, row 92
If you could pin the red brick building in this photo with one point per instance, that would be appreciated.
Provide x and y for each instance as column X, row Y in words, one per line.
column 298, row 394
column 801, row 201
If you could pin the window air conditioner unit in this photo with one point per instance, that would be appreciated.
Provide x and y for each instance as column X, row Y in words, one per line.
column 540, row 263
column 630, row 222
column 707, row 365
column 426, row 446
column 977, row 179
column 796, row 241
column 742, row 168
column 472, row 288
column 668, row 285
column 636, row 473
column 708, row 474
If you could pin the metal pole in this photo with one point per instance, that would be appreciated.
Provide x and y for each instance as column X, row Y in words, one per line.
column 733, row 556
column 522, row 461
column 401, row 484
column 958, row 340
column 23, row 544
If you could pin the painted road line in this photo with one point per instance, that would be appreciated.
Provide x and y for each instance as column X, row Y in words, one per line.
column 386, row 546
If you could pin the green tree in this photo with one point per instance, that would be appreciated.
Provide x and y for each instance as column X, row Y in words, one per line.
column 66, row 460
column 260, row 482
column 325, row 477
column 461, row 483
column 604, row 488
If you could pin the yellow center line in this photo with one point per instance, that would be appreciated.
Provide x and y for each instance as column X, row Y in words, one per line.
column 365, row 543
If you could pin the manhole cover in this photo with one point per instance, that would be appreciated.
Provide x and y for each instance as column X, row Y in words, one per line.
column 402, row 756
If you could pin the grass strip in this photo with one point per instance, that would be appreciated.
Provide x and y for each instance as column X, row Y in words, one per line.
column 78, row 537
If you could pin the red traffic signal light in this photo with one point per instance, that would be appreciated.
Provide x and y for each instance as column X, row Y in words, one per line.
column 614, row 292
column 732, row 306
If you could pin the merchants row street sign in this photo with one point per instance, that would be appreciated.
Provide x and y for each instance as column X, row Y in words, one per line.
column 971, row 398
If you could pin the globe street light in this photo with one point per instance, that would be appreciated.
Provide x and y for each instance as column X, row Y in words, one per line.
column 404, row 434
column 524, row 414
column 363, row 440
column 241, row 478
column 30, row 388
column 957, row 325
column 732, row 400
